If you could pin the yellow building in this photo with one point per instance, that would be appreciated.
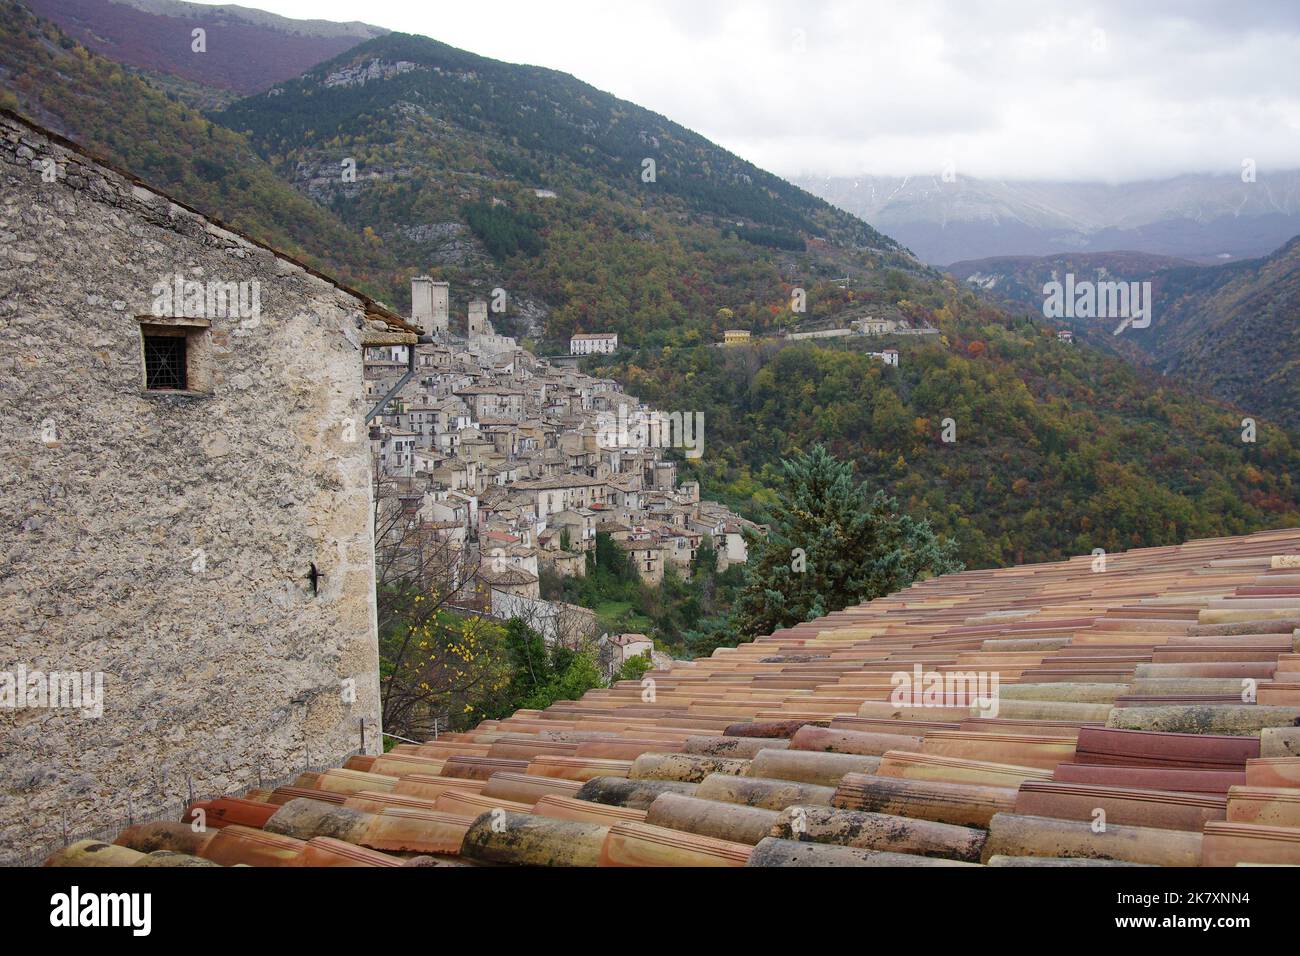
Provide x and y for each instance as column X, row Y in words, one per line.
column 735, row 337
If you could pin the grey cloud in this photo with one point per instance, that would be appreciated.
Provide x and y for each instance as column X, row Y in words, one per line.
column 1006, row 89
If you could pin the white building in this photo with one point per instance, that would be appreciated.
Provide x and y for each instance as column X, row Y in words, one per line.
column 397, row 452
column 888, row 356
column 603, row 343
column 617, row 649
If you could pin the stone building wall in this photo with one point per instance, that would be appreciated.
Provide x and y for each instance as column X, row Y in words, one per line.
column 166, row 539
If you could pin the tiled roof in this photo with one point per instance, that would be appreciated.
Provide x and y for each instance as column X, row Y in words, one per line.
column 559, row 482
column 1159, row 687
column 507, row 577
column 624, row 639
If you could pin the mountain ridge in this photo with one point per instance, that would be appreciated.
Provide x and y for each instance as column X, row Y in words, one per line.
column 1059, row 448
column 1206, row 218
column 245, row 50
column 114, row 113
column 489, row 174
column 1231, row 329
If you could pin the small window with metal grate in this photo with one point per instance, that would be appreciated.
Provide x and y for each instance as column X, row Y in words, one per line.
column 165, row 362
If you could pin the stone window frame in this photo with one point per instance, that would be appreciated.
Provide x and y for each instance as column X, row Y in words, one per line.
column 198, row 354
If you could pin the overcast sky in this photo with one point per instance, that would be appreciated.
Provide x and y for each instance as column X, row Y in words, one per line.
column 1015, row 89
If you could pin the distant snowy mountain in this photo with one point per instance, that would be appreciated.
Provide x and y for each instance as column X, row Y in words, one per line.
column 1203, row 218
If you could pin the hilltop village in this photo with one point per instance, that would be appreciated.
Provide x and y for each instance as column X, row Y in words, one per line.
column 514, row 463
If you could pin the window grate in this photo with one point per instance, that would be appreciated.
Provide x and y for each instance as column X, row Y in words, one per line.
column 164, row 362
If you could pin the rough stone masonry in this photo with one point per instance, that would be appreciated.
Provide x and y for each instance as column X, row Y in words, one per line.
column 166, row 538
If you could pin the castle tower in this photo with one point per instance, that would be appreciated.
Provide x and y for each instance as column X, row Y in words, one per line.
column 422, row 304
column 441, row 307
column 478, row 319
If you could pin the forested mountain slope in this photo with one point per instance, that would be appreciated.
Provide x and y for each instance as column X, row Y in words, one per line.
column 493, row 175
column 1231, row 330
column 46, row 75
column 1058, row 449
column 592, row 212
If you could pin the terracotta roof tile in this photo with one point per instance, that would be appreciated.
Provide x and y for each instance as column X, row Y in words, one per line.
column 1162, row 691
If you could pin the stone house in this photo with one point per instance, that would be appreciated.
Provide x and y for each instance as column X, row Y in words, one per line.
column 875, row 326
column 616, row 649
column 603, row 343
column 563, row 493
column 645, row 551
column 557, row 622
column 730, row 543
column 493, row 401
column 680, row 546
column 187, row 509
column 514, row 581
column 397, row 452
column 458, row 475
column 423, row 421
column 580, row 524
column 564, row 564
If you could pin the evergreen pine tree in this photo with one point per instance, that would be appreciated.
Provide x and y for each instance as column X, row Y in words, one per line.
column 831, row 543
